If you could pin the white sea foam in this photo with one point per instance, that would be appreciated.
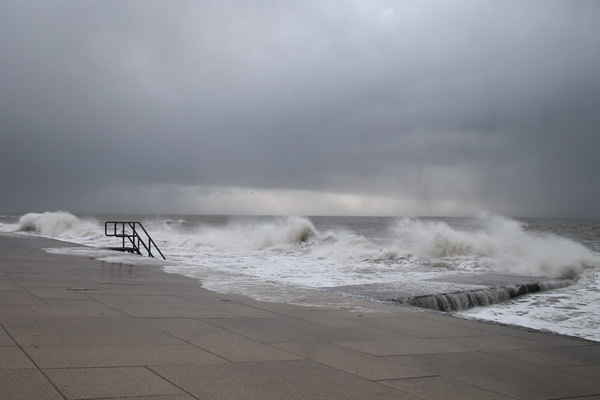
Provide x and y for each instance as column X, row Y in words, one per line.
column 106, row 255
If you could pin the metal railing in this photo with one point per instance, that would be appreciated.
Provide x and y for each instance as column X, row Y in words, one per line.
column 132, row 241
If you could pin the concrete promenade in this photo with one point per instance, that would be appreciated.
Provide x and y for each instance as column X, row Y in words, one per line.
column 78, row 328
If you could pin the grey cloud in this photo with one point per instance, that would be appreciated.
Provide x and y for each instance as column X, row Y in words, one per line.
column 344, row 97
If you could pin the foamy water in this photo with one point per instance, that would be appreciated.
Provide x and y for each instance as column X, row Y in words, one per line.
column 303, row 260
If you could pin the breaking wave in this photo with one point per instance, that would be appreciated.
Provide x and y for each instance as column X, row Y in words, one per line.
column 486, row 243
column 496, row 243
column 58, row 224
column 243, row 235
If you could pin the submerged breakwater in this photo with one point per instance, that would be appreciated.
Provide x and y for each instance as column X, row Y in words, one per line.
column 455, row 292
column 464, row 300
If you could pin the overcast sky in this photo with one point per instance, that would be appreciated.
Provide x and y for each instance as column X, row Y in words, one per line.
column 301, row 107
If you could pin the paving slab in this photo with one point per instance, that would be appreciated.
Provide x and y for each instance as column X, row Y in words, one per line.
column 26, row 384
column 19, row 298
column 590, row 371
column 439, row 387
column 14, row 358
column 161, row 397
column 303, row 379
column 180, row 327
column 273, row 330
column 97, row 383
column 83, row 331
column 402, row 345
column 354, row 362
column 5, row 339
column 80, row 308
column 491, row 343
column 53, row 292
column 241, row 310
column 554, row 357
column 330, row 318
column 159, row 305
column 426, row 328
column 503, row 375
column 118, row 356
column 57, row 308
column 237, row 348
column 8, row 284
column 61, row 279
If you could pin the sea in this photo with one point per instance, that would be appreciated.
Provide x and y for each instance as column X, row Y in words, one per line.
column 536, row 273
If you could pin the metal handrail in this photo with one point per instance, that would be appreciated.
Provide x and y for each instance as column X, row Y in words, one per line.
column 134, row 238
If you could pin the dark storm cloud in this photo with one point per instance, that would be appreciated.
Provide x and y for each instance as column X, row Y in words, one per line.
column 484, row 105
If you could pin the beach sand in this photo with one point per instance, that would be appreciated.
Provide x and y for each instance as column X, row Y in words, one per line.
column 78, row 328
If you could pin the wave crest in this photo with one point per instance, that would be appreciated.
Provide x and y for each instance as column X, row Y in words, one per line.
column 281, row 232
column 496, row 242
column 48, row 223
column 242, row 235
column 59, row 224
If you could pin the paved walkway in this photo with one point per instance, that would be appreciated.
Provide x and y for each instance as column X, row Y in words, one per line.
column 78, row 328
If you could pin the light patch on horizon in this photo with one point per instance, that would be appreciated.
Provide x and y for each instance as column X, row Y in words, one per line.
column 254, row 201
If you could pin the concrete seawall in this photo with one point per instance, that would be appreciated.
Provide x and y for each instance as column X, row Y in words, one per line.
column 79, row 328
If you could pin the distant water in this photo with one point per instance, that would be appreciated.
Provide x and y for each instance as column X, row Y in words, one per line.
column 329, row 261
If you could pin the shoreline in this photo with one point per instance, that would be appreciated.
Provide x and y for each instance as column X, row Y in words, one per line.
column 74, row 327
column 354, row 304
column 350, row 303
column 405, row 260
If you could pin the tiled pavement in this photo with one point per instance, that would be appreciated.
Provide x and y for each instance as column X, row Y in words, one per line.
column 78, row 328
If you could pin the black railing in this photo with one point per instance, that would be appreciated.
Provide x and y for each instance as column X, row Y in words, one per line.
column 130, row 232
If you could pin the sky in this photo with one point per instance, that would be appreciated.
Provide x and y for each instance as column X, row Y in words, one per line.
column 312, row 107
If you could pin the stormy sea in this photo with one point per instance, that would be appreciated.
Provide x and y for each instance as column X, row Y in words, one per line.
column 536, row 273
